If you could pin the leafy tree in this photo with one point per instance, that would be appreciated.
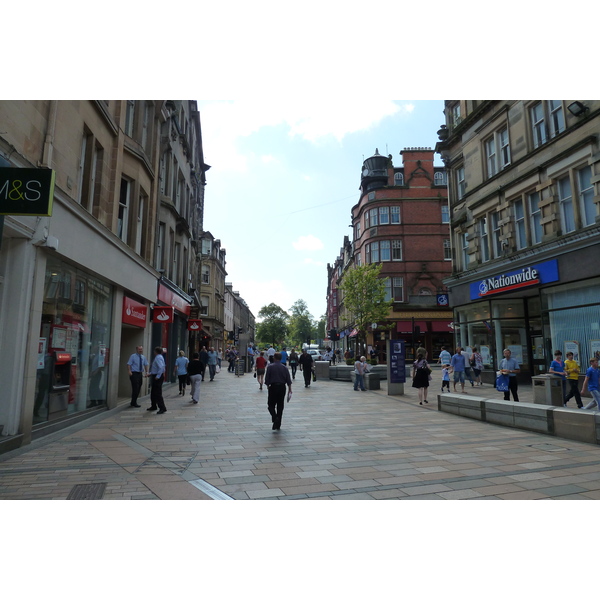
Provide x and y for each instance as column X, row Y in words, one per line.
column 320, row 326
column 274, row 325
column 301, row 323
column 364, row 297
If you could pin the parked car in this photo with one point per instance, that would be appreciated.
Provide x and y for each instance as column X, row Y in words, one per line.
column 316, row 354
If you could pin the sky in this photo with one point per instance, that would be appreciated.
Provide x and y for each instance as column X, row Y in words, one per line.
column 284, row 177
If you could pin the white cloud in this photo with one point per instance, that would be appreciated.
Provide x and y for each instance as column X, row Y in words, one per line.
column 308, row 242
column 312, row 261
column 225, row 122
column 268, row 159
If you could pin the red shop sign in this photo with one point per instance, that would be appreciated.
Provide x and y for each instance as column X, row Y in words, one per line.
column 172, row 299
column 134, row 313
column 162, row 314
column 194, row 324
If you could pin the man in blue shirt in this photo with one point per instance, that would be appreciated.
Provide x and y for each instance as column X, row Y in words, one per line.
column 137, row 365
column 445, row 357
column 157, row 374
column 509, row 366
column 284, row 357
column 458, row 362
column 591, row 382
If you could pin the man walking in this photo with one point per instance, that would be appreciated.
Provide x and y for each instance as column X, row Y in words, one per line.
column 306, row 362
column 276, row 379
column 157, row 374
column 457, row 362
column 137, row 365
column 212, row 362
column 592, row 383
column 509, row 366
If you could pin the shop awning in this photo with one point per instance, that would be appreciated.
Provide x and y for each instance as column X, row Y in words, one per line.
column 353, row 333
column 407, row 326
column 441, row 326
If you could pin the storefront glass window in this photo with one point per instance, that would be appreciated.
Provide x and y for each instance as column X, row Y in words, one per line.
column 474, row 312
column 74, row 342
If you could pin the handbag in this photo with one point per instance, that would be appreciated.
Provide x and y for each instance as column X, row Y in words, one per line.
column 502, row 383
column 254, row 374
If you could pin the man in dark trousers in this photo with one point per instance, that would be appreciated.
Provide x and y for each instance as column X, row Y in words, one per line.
column 157, row 374
column 276, row 379
column 137, row 365
column 306, row 363
column 204, row 360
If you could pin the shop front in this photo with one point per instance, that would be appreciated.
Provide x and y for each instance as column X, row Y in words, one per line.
column 538, row 313
column 74, row 343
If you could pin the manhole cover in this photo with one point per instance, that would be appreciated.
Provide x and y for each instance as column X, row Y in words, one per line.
column 548, row 447
column 87, row 491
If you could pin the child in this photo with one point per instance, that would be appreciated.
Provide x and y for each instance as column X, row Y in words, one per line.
column 446, row 378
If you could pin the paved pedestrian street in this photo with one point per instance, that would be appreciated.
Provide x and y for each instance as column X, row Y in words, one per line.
column 334, row 444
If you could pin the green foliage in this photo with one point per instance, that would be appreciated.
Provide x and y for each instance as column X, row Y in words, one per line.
column 274, row 327
column 350, row 361
column 301, row 326
column 364, row 296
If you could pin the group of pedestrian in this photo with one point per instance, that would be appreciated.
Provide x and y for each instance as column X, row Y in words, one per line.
column 568, row 371
column 137, row 367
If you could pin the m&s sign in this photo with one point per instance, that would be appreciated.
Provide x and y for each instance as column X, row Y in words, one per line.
column 26, row 191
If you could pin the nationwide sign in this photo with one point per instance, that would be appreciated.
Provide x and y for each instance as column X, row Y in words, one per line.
column 527, row 277
column 26, row 191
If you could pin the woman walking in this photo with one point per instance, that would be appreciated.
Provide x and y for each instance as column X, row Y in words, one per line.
column 195, row 373
column 420, row 376
column 477, row 365
column 181, row 371
column 360, row 368
column 293, row 359
column 260, row 364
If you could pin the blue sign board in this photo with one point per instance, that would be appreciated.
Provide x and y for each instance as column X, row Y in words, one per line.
column 397, row 361
column 442, row 300
column 511, row 281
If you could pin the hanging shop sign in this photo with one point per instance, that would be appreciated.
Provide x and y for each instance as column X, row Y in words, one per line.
column 194, row 324
column 26, row 191
column 170, row 298
column 527, row 277
column 134, row 313
column 163, row 314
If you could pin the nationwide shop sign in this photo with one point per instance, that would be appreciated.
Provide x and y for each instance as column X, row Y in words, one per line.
column 163, row 314
column 134, row 313
column 26, row 191
column 527, row 277
column 194, row 324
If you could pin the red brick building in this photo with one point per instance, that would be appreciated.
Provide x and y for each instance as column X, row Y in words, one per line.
column 402, row 221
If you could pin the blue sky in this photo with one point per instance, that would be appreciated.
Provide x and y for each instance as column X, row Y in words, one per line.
column 283, row 179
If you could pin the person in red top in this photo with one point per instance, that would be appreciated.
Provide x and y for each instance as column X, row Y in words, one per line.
column 260, row 364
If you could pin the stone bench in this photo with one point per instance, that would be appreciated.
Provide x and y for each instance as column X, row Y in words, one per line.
column 568, row 423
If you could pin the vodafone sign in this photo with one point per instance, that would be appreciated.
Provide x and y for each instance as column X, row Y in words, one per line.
column 134, row 313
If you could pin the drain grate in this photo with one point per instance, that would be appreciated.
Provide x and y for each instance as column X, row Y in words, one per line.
column 87, row 491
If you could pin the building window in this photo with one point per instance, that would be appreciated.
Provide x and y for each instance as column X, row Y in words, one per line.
column 366, row 220
column 465, row 250
column 447, row 250
column 395, row 215
column 557, row 117
column 586, row 196
column 177, row 264
column 398, row 289
column 357, row 259
column 205, row 274
column 140, row 231
column 385, row 250
column 357, row 230
column 445, row 213
column 384, row 215
column 520, row 232
column 129, row 117
column 456, row 118
column 204, row 305
column 160, row 249
column 373, row 217
column 460, row 182
column 396, row 249
column 367, row 254
column 374, row 252
column 536, row 218
column 547, row 120
column 496, row 232
column 484, row 239
column 398, row 179
column 123, row 220
column 206, row 246
column 565, row 201
column 497, row 151
column 439, row 178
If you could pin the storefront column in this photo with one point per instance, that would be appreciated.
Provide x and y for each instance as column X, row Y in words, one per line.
column 499, row 346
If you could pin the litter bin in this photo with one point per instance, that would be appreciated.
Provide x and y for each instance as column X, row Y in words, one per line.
column 322, row 369
column 547, row 389
column 372, row 381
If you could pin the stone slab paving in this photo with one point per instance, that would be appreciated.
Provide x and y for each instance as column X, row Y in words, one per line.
column 335, row 444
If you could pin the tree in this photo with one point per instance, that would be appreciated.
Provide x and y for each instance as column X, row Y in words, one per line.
column 301, row 323
column 320, row 325
column 274, row 325
column 364, row 297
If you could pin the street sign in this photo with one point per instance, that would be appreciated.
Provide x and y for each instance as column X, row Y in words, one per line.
column 26, row 191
